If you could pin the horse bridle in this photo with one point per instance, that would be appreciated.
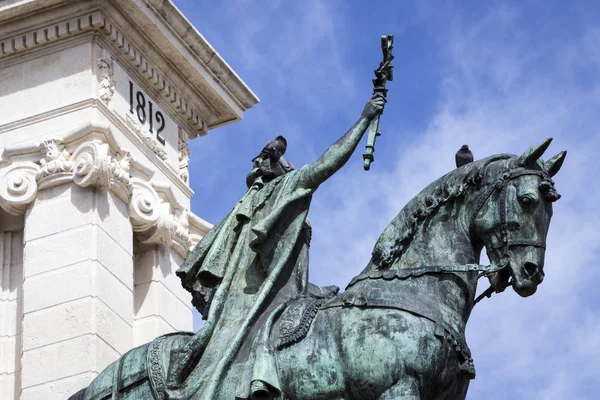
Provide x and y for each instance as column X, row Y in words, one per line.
column 506, row 242
column 484, row 270
column 500, row 185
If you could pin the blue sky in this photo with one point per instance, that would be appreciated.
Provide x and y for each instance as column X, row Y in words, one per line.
column 500, row 76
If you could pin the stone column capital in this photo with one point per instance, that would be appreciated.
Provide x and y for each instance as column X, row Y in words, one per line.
column 157, row 218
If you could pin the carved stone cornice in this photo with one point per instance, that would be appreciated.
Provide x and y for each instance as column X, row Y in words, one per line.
column 197, row 84
column 156, row 216
column 204, row 51
column 99, row 22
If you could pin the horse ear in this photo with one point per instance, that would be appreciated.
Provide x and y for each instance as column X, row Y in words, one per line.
column 533, row 153
column 553, row 165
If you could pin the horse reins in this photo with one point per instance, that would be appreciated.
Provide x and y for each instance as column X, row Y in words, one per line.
column 484, row 270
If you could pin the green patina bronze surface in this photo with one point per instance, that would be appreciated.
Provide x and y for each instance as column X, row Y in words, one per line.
column 396, row 332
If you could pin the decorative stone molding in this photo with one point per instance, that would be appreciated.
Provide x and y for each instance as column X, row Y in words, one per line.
column 145, row 206
column 205, row 52
column 97, row 21
column 120, row 166
column 154, row 212
column 50, row 33
column 107, row 80
column 184, row 156
column 93, row 165
column 147, row 138
column 153, row 75
column 218, row 95
column 56, row 165
column 182, row 241
column 18, row 187
column 158, row 222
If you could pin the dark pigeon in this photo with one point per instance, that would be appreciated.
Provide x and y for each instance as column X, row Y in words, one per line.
column 273, row 150
column 463, row 156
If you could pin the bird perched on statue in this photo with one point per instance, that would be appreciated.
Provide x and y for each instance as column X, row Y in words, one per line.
column 273, row 150
column 463, row 156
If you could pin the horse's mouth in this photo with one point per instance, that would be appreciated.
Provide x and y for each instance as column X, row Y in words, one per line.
column 501, row 280
column 526, row 282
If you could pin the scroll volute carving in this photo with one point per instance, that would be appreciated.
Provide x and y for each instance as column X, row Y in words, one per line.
column 18, row 187
column 145, row 207
column 91, row 165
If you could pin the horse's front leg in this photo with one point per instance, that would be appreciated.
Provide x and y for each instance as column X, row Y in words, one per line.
column 406, row 389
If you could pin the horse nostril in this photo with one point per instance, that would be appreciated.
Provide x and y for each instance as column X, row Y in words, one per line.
column 531, row 269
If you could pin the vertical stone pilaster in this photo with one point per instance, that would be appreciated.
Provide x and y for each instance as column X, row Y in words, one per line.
column 161, row 303
column 11, row 311
column 78, row 253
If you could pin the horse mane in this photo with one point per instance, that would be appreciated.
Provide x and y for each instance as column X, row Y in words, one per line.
column 398, row 235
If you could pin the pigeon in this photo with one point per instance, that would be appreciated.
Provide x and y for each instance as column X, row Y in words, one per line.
column 273, row 150
column 463, row 156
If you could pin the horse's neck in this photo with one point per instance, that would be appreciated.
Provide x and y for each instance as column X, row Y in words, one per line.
column 444, row 240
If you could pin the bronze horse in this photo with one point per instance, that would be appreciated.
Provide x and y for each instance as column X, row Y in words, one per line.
column 397, row 332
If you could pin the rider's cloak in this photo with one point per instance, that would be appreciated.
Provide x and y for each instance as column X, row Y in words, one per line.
column 250, row 263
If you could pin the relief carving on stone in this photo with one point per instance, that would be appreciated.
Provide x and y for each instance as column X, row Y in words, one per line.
column 147, row 138
column 107, row 80
column 156, row 218
column 182, row 240
column 55, row 164
column 93, row 165
column 155, row 221
column 184, row 156
column 18, row 187
column 145, row 206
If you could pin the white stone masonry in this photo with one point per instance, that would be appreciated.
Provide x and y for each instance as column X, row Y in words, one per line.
column 98, row 100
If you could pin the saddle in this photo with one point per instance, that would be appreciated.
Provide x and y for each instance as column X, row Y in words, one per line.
column 142, row 367
column 298, row 315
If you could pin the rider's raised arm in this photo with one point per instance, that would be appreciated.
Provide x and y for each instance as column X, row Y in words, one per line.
column 340, row 152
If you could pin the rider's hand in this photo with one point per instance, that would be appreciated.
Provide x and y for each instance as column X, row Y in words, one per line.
column 374, row 107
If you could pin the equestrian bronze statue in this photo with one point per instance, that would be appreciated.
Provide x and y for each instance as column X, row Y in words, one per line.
column 398, row 329
column 413, row 299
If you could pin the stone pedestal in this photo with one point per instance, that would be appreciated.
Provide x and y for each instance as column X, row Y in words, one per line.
column 97, row 103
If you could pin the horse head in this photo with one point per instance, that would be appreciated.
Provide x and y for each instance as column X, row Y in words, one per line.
column 512, row 215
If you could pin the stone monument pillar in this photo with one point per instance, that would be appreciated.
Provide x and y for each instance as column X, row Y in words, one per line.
column 98, row 100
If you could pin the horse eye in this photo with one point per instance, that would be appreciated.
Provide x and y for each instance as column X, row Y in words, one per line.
column 526, row 201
